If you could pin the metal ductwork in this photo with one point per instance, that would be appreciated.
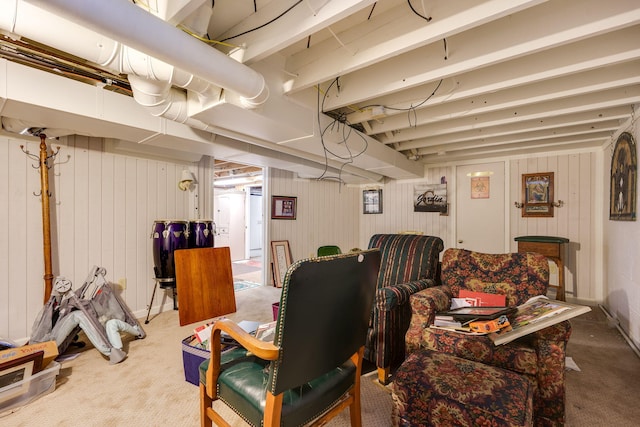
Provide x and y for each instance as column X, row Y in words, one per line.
column 208, row 92
column 146, row 48
column 28, row 128
column 134, row 27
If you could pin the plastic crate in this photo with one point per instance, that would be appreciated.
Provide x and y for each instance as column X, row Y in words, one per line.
column 192, row 357
column 29, row 389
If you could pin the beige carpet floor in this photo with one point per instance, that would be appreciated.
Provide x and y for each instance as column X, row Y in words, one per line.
column 148, row 388
column 605, row 391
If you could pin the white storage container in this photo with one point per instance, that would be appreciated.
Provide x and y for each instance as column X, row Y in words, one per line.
column 29, row 389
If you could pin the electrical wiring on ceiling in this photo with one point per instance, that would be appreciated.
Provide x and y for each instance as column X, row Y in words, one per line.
column 426, row 18
column 411, row 110
column 265, row 24
column 338, row 123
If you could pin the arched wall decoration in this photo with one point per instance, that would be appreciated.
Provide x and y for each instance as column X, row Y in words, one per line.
column 624, row 179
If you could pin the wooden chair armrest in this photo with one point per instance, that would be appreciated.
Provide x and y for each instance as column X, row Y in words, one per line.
column 262, row 349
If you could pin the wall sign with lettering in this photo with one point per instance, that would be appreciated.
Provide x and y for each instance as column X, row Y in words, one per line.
column 430, row 198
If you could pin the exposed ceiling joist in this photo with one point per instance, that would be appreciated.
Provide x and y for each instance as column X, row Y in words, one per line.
column 425, row 82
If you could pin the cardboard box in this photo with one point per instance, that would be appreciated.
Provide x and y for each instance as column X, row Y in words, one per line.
column 49, row 347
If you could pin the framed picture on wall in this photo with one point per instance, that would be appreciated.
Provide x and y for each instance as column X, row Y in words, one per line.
column 283, row 207
column 372, row 201
column 537, row 190
column 281, row 256
column 624, row 179
column 480, row 186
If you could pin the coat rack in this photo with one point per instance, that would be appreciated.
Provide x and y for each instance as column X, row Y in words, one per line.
column 44, row 167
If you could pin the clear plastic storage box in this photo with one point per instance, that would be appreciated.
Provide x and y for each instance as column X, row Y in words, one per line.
column 25, row 391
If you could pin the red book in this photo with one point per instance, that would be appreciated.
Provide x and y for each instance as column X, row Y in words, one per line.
column 483, row 299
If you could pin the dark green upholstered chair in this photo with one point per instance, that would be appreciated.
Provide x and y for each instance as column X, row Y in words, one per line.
column 409, row 264
column 329, row 250
column 312, row 370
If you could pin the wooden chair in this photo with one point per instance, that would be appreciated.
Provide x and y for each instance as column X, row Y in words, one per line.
column 312, row 370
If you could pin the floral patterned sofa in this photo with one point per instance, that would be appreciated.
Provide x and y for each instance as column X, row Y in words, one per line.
column 519, row 276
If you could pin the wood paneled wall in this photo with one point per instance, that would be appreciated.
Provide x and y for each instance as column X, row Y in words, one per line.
column 578, row 220
column 398, row 215
column 103, row 206
column 575, row 184
column 328, row 214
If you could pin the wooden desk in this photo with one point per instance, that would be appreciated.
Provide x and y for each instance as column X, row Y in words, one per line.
column 553, row 249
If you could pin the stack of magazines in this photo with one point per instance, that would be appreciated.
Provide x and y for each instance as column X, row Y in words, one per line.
column 537, row 313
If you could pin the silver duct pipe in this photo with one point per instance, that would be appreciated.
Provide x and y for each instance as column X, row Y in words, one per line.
column 134, row 27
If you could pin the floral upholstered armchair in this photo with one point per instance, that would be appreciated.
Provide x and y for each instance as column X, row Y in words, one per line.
column 409, row 264
column 519, row 276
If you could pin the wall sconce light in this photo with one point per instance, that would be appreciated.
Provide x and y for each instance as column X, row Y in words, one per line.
column 557, row 204
column 186, row 179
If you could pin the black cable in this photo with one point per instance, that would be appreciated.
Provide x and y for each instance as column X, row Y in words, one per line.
column 411, row 107
column 371, row 12
column 263, row 25
column 430, row 96
column 346, row 133
column 427, row 18
column 337, row 122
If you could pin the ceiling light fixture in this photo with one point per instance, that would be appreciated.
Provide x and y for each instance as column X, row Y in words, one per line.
column 483, row 173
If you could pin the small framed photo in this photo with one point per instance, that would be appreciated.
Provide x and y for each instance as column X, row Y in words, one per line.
column 372, row 201
column 283, row 207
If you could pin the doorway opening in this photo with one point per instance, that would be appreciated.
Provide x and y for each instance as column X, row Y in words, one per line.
column 239, row 218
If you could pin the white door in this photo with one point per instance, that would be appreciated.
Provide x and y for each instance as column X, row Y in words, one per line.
column 480, row 216
column 255, row 222
column 229, row 216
